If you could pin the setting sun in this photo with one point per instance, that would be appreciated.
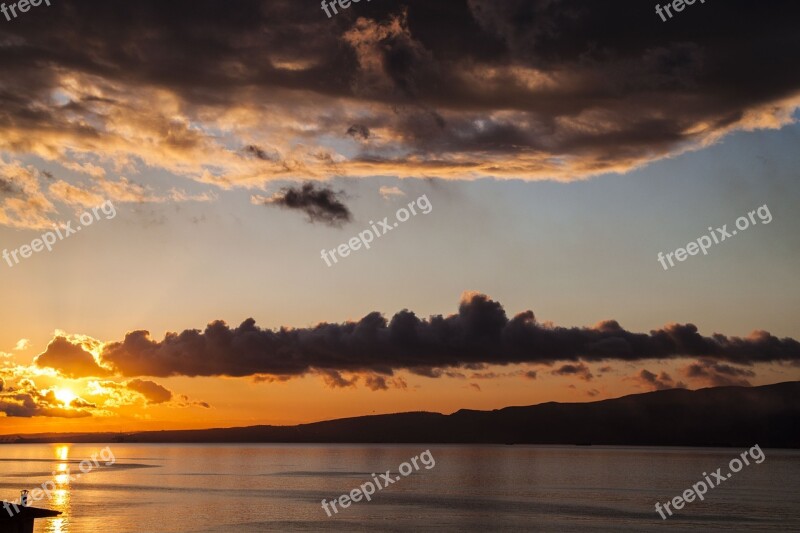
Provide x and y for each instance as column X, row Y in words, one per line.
column 272, row 265
column 65, row 396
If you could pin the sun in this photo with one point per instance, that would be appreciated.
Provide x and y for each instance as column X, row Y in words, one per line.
column 65, row 396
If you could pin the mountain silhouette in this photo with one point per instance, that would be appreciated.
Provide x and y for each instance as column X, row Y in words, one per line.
column 768, row 415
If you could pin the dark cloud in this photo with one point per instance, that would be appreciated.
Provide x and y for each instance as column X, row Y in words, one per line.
column 270, row 379
column 479, row 334
column 376, row 383
column 7, row 187
column 358, row 131
column 530, row 374
column 486, row 375
column 69, row 359
column 335, row 380
column 495, row 375
column 152, row 391
column 319, row 203
column 718, row 374
column 661, row 381
column 580, row 370
column 185, row 402
column 605, row 86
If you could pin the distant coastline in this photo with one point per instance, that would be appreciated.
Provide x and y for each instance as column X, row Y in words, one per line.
column 767, row 415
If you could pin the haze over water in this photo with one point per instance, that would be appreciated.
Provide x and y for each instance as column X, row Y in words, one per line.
column 221, row 488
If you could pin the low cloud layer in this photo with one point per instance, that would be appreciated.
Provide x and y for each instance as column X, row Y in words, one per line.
column 717, row 374
column 580, row 370
column 21, row 397
column 662, row 381
column 479, row 334
column 25, row 400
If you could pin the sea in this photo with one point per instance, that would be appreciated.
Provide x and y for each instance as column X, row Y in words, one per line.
column 153, row 488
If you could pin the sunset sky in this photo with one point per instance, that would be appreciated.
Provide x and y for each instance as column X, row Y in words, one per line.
column 561, row 145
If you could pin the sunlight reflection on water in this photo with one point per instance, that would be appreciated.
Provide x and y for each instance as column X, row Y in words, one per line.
column 223, row 488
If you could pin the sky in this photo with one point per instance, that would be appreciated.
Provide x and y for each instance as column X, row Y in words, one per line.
column 515, row 168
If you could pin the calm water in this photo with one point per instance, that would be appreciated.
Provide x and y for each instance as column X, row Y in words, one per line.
column 231, row 488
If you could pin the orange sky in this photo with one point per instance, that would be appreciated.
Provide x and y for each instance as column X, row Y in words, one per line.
column 242, row 401
column 559, row 156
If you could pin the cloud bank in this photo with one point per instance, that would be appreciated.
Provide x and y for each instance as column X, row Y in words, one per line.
column 479, row 334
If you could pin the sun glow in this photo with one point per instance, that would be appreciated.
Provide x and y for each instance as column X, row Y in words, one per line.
column 65, row 396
